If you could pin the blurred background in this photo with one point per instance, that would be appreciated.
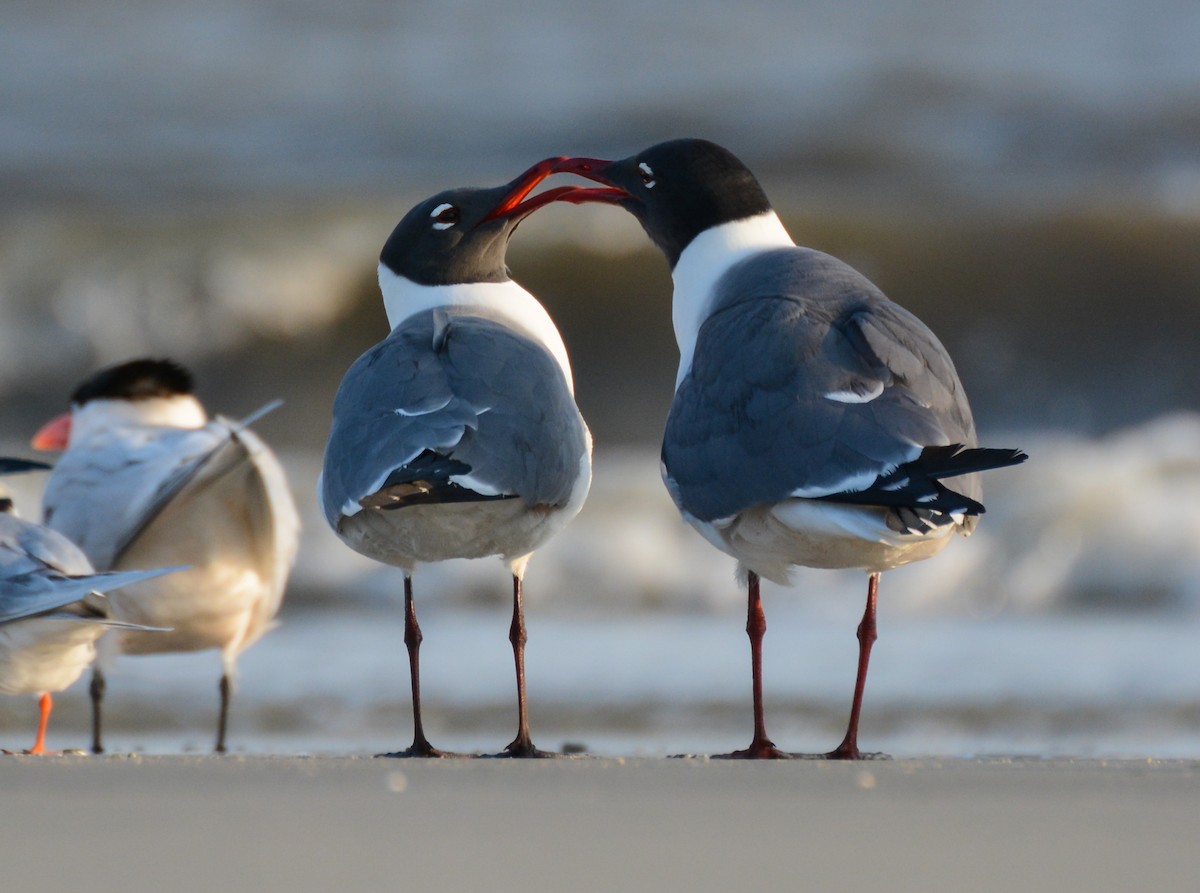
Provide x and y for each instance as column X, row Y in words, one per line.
column 213, row 182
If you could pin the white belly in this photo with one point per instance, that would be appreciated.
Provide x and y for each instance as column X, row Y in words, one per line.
column 215, row 605
column 770, row 540
column 227, row 530
column 45, row 653
column 425, row 533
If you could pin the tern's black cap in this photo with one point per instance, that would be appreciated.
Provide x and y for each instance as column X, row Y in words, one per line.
column 140, row 379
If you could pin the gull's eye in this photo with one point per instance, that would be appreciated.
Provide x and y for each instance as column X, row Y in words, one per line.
column 647, row 175
column 444, row 216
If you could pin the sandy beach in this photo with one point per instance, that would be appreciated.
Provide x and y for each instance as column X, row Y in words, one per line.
column 356, row 823
column 213, row 182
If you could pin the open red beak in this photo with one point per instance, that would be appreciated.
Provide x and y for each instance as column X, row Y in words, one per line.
column 514, row 203
column 54, row 435
column 590, row 169
column 511, row 205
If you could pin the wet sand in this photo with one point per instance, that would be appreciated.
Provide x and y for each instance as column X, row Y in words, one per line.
column 590, row 824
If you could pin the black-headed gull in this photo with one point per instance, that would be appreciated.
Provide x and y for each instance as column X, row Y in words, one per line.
column 813, row 419
column 457, row 436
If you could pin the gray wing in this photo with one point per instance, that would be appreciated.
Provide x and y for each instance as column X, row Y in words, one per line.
column 806, row 381
column 40, row 571
column 102, row 498
column 27, row 547
column 37, row 592
column 459, row 396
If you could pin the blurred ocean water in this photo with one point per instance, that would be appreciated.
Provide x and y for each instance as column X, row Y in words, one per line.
column 152, row 103
column 213, row 182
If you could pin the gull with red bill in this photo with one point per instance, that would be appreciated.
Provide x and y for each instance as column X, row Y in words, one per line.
column 814, row 419
column 458, row 436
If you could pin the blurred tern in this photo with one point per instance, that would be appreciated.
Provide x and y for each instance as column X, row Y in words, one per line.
column 813, row 419
column 51, row 609
column 457, row 436
column 147, row 480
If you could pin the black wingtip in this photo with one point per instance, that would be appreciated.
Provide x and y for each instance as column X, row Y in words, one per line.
column 917, row 485
column 1001, row 458
column 424, row 481
column 955, row 459
column 12, row 465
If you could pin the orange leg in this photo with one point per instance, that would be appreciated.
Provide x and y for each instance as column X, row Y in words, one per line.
column 46, row 704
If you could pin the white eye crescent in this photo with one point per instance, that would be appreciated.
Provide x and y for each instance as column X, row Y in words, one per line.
column 647, row 175
column 444, row 216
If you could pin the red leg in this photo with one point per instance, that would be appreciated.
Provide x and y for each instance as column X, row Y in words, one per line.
column 848, row 749
column 522, row 745
column 46, row 704
column 761, row 747
column 412, row 640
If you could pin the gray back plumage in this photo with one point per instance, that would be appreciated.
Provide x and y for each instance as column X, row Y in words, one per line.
column 127, row 487
column 752, row 423
column 462, row 384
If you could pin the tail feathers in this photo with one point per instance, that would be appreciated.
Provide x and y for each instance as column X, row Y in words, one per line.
column 916, row 485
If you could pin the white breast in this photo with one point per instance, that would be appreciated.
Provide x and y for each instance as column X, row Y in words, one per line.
column 704, row 261
column 45, row 653
column 403, row 298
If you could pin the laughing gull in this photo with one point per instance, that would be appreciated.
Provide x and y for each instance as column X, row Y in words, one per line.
column 147, row 480
column 457, row 436
column 813, row 418
column 51, row 607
